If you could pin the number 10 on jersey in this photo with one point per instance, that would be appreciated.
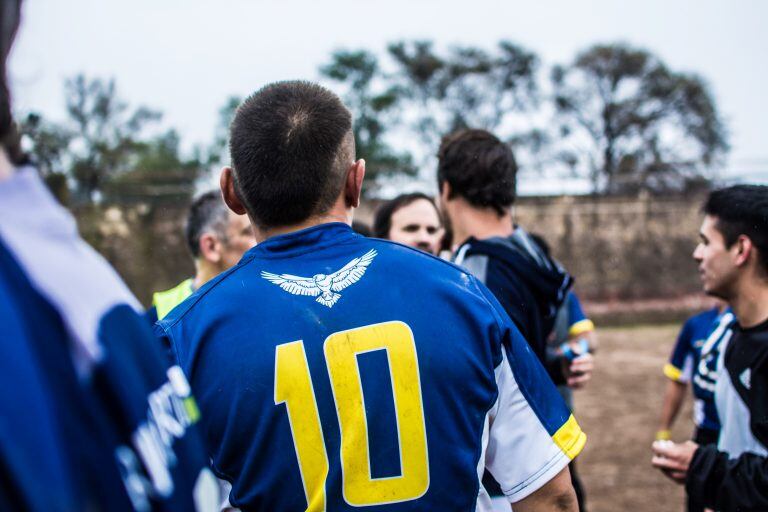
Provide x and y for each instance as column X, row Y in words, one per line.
column 293, row 386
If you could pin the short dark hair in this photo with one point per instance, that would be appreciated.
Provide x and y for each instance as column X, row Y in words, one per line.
column 382, row 222
column 742, row 210
column 291, row 144
column 208, row 213
column 479, row 168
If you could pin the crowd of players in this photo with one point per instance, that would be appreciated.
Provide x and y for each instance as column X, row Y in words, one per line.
column 308, row 367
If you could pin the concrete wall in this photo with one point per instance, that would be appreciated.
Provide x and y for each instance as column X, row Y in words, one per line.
column 618, row 248
column 621, row 248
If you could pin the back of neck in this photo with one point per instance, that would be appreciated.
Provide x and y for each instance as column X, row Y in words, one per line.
column 263, row 233
column 481, row 224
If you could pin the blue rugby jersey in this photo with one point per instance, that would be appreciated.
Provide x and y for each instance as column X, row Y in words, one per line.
column 335, row 371
column 93, row 418
column 694, row 359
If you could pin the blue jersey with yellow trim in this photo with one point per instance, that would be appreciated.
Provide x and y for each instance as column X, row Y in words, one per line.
column 686, row 364
column 335, row 371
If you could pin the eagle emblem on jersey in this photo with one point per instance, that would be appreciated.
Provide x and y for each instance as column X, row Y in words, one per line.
column 322, row 286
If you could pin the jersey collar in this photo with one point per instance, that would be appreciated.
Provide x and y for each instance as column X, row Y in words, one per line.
column 303, row 241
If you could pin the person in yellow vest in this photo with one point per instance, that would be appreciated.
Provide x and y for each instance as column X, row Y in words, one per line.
column 217, row 239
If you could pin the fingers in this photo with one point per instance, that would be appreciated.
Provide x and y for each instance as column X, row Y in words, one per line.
column 673, row 459
column 585, row 363
column 580, row 371
column 578, row 381
column 665, row 463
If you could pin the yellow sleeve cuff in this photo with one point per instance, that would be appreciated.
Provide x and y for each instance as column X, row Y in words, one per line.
column 581, row 327
column 672, row 372
column 570, row 438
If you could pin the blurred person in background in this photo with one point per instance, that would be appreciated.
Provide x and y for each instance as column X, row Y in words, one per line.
column 694, row 360
column 733, row 265
column 476, row 176
column 410, row 219
column 217, row 238
column 92, row 417
column 572, row 336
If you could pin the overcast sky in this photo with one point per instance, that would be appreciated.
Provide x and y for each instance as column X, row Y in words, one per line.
column 184, row 57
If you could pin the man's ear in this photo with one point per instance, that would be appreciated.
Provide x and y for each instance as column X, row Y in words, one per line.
column 744, row 249
column 227, row 184
column 210, row 249
column 445, row 193
column 354, row 184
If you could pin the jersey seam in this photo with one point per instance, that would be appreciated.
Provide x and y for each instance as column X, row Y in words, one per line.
column 538, row 474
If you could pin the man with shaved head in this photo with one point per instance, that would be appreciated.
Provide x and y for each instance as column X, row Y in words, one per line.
column 325, row 381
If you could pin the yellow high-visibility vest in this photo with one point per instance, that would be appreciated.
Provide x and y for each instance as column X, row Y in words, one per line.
column 165, row 301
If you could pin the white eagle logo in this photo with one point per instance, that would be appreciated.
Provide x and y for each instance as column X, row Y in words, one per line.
column 321, row 284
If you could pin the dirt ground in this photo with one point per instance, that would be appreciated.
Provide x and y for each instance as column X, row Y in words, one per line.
column 619, row 412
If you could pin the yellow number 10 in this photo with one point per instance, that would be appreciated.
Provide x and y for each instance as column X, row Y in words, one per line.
column 293, row 386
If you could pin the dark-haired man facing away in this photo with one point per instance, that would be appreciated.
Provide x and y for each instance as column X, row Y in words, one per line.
column 733, row 264
column 217, row 238
column 476, row 176
column 325, row 381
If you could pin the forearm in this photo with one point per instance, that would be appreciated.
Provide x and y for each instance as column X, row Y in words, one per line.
column 673, row 401
column 557, row 495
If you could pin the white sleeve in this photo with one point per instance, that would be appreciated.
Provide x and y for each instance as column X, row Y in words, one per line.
column 520, row 453
column 224, row 489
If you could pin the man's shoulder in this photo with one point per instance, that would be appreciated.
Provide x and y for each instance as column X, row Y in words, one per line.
column 397, row 261
column 210, row 291
column 409, row 255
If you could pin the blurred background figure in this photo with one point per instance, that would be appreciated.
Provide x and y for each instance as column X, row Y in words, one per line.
column 476, row 177
column 694, row 361
column 411, row 219
column 217, row 238
column 572, row 336
column 92, row 416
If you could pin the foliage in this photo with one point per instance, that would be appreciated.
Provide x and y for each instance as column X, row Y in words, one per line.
column 47, row 143
column 465, row 86
column 374, row 112
column 622, row 119
column 634, row 123
column 218, row 151
column 102, row 150
column 105, row 133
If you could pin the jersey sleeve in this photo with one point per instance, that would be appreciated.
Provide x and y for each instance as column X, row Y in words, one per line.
column 532, row 435
column 578, row 323
column 728, row 484
column 681, row 361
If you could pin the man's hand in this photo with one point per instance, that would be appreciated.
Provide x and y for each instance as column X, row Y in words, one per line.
column 673, row 459
column 579, row 371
